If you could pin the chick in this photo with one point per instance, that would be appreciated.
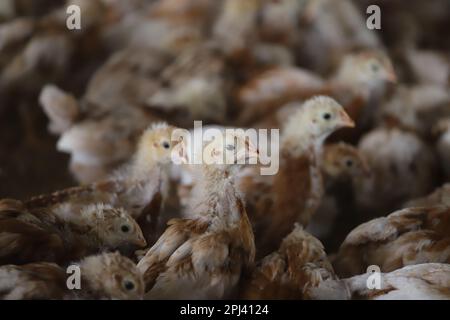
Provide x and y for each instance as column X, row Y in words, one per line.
column 194, row 87
column 357, row 84
column 276, row 202
column 330, row 30
column 100, row 130
column 30, row 234
column 405, row 237
column 202, row 257
column 342, row 164
column 140, row 187
column 290, row 272
column 426, row 281
column 403, row 167
column 270, row 89
column 105, row 276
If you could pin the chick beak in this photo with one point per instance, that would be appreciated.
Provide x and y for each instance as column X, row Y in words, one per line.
column 140, row 242
column 391, row 76
column 346, row 121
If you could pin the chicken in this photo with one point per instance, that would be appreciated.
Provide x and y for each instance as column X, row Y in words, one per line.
column 403, row 167
column 96, row 130
column 30, row 234
column 140, row 187
column 202, row 257
column 358, row 84
column 194, row 87
column 275, row 202
column 426, row 281
column 405, row 237
column 342, row 164
column 332, row 29
column 104, row 276
column 290, row 272
column 440, row 196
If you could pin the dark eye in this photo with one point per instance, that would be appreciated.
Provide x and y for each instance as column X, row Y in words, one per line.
column 375, row 67
column 349, row 163
column 166, row 145
column 326, row 116
column 124, row 228
column 128, row 285
column 230, row 147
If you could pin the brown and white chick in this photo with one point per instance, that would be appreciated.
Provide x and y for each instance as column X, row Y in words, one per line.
column 140, row 187
column 290, row 272
column 202, row 257
column 341, row 165
column 105, row 276
column 29, row 234
column 100, row 130
column 293, row 194
column 358, row 84
column 403, row 167
column 405, row 237
column 426, row 281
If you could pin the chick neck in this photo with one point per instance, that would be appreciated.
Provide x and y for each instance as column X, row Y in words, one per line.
column 217, row 192
column 144, row 163
column 300, row 136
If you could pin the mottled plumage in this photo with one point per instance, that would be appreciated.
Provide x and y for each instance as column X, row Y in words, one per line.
column 276, row 202
column 288, row 273
column 203, row 257
column 32, row 234
column 405, row 237
column 105, row 276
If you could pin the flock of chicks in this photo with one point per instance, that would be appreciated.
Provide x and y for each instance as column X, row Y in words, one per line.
column 140, row 226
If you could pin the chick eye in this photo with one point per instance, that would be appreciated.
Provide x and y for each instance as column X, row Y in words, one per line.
column 166, row 145
column 327, row 116
column 230, row 147
column 349, row 163
column 375, row 67
column 128, row 285
column 125, row 228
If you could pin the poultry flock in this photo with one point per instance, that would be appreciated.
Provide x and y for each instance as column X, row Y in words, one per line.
column 364, row 149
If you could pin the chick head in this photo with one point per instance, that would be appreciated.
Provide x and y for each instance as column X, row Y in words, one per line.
column 114, row 227
column 113, row 276
column 159, row 144
column 368, row 67
column 230, row 147
column 317, row 118
column 344, row 160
